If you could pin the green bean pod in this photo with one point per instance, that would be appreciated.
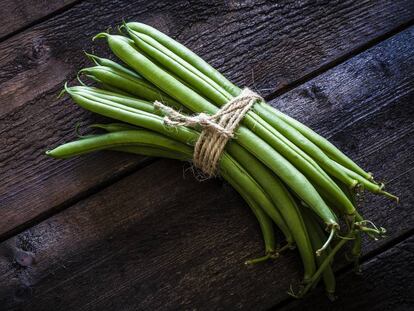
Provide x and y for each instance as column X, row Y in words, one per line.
column 182, row 134
column 149, row 143
column 143, row 138
column 253, row 122
column 233, row 148
column 186, row 54
column 285, row 204
column 162, row 79
column 100, row 61
column 196, row 61
column 265, row 223
column 317, row 238
column 330, row 149
column 305, row 144
column 121, row 80
column 271, row 185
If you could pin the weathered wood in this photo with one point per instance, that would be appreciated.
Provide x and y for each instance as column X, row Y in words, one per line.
column 16, row 14
column 386, row 283
column 158, row 251
column 34, row 65
column 276, row 43
column 364, row 106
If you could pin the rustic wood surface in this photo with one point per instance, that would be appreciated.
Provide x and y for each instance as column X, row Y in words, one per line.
column 35, row 63
column 124, row 236
column 385, row 284
column 16, row 15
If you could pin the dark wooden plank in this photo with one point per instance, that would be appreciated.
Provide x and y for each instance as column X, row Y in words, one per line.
column 385, row 284
column 278, row 42
column 369, row 119
column 34, row 65
column 17, row 14
column 154, row 240
column 156, row 250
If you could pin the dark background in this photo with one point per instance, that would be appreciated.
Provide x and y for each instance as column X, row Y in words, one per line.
column 110, row 231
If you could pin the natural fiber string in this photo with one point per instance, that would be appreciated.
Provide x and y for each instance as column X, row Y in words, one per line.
column 218, row 128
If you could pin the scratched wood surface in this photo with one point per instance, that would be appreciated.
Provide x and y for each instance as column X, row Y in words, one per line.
column 273, row 45
column 16, row 15
column 123, row 236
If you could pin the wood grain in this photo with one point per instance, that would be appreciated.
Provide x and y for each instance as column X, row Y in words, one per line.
column 160, row 252
column 16, row 14
column 271, row 45
column 156, row 250
column 385, row 284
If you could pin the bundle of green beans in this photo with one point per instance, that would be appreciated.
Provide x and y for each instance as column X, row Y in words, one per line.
column 290, row 176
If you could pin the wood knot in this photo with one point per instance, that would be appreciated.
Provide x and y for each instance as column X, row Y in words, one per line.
column 39, row 52
column 24, row 258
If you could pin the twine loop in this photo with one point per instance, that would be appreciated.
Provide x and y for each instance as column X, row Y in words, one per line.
column 217, row 129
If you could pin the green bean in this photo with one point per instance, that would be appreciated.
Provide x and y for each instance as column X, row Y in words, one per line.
column 305, row 144
column 99, row 61
column 253, row 122
column 151, row 143
column 317, row 238
column 326, row 263
column 237, row 150
column 150, row 152
column 115, row 127
column 120, row 80
column 113, row 79
column 265, row 223
column 275, row 190
column 274, row 162
column 196, row 61
column 186, row 54
column 356, row 252
column 367, row 184
column 143, row 138
column 182, row 134
column 251, row 142
column 285, row 204
column 239, row 175
column 321, row 142
column 97, row 94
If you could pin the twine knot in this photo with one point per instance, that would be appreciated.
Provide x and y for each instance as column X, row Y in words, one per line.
column 217, row 129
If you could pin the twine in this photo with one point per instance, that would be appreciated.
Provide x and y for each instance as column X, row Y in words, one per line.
column 217, row 129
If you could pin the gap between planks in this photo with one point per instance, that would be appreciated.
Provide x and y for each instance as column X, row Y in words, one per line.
column 339, row 60
column 74, row 200
column 40, row 20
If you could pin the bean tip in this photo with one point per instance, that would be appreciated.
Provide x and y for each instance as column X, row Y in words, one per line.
column 101, row 35
column 391, row 196
column 92, row 57
column 61, row 93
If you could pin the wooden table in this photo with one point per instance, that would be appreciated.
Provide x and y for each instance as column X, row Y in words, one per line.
column 110, row 231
